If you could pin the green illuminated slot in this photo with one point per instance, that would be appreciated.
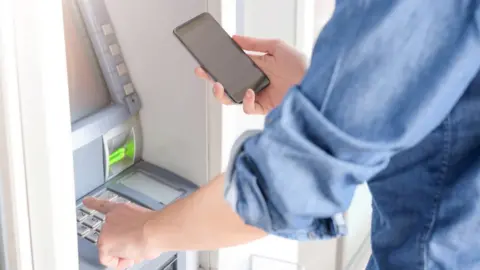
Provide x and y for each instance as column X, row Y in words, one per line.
column 128, row 150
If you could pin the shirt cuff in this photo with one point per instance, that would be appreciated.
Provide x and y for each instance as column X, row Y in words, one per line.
column 257, row 213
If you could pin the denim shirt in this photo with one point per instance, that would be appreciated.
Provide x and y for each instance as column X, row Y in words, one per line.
column 391, row 99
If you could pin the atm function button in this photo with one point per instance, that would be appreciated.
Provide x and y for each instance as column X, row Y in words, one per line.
column 81, row 215
column 92, row 221
column 93, row 236
column 122, row 69
column 82, row 229
column 107, row 195
column 107, row 29
column 114, row 49
column 128, row 88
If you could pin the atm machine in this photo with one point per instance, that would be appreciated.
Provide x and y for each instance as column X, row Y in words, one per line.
column 107, row 132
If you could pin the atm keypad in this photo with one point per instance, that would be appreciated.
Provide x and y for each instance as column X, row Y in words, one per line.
column 99, row 216
column 81, row 215
column 90, row 222
column 82, row 230
column 87, row 210
column 93, row 236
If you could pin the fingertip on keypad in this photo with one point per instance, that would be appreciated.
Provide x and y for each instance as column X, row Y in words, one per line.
column 90, row 222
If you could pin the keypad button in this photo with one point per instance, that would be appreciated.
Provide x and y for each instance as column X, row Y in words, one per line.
column 92, row 221
column 87, row 210
column 99, row 228
column 81, row 215
column 99, row 215
column 93, row 236
column 82, row 230
column 121, row 200
column 107, row 195
column 132, row 203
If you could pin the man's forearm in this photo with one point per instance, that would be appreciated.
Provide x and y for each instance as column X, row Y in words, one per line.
column 202, row 221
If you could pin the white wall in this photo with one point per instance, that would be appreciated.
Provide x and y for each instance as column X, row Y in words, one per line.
column 323, row 11
column 238, row 258
column 319, row 254
column 265, row 19
column 271, row 19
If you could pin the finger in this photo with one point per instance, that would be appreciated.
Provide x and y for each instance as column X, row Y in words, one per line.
column 202, row 74
column 257, row 44
column 249, row 104
column 107, row 260
column 124, row 264
column 260, row 61
column 101, row 206
column 138, row 207
column 219, row 93
column 257, row 58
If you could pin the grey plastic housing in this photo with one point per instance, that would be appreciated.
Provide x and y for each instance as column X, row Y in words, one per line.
column 95, row 125
column 88, row 252
column 88, row 165
column 125, row 101
column 87, row 88
column 118, row 137
column 102, row 34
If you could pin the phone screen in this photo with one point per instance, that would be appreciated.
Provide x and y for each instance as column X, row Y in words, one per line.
column 221, row 57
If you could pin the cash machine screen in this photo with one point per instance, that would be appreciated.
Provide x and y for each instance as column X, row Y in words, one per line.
column 156, row 190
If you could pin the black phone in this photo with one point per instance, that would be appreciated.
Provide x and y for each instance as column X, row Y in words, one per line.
column 221, row 57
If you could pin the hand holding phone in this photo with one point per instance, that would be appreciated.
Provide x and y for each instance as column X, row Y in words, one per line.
column 283, row 64
column 221, row 57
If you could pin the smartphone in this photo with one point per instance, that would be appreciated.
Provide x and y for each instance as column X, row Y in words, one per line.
column 221, row 57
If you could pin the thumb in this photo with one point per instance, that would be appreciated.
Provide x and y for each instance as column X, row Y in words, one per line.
column 249, row 104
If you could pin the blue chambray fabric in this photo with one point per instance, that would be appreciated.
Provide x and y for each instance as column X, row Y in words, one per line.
column 391, row 99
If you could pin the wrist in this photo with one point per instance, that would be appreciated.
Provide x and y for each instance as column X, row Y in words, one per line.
column 152, row 236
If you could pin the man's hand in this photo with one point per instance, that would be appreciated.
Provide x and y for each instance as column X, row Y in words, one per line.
column 283, row 65
column 122, row 241
column 201, row 221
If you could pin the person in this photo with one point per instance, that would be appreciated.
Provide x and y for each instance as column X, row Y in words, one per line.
column 391, row 98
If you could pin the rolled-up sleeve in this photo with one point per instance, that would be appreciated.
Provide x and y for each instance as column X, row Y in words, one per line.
column 383, row 75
